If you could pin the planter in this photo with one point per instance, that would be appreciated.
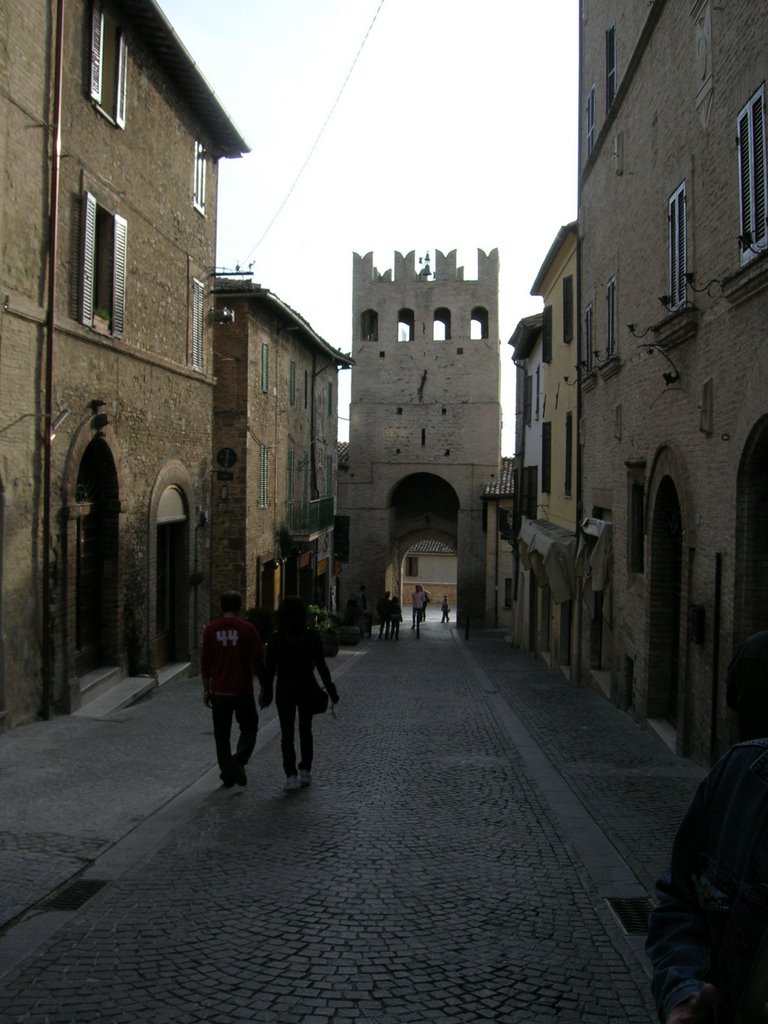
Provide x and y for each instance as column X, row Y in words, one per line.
column 349, row 635
column 330, row 641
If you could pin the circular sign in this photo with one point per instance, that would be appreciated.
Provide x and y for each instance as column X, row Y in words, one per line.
column 226, row 457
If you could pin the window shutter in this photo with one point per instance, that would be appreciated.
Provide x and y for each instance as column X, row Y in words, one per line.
column 681, row 248
column 744, row 175
column 97, row 37
column 758, row 136
column 89, row 255
column 197, row 324
column 568, row 309
column 118, row 276
column 546, row 354
column 546, row 456
column 122, row 74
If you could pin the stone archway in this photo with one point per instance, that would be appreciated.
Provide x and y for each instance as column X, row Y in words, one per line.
column 422, row 507
column 751, row 582
column 95, row 558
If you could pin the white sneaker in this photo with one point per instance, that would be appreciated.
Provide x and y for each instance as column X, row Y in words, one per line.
column 305, row 777
column 291, row 783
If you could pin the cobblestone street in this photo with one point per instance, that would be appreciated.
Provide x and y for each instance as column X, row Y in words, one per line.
column 470, row 817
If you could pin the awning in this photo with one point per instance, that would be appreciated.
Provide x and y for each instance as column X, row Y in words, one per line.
column 550, row 552
column 594, row 562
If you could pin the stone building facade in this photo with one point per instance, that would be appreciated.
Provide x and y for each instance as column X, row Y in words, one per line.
column 108, row 226
column 673, row 302
column 546, row 357
column 425, row 418
column 275, row 450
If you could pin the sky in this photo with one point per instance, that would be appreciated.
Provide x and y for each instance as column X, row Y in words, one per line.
column 390, row 125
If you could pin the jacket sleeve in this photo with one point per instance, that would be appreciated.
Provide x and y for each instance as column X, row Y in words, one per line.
column 678, row 943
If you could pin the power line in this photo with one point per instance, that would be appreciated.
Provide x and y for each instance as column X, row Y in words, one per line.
column 317, row 138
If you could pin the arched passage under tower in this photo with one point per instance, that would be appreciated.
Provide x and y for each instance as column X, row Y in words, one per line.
column 422, row 506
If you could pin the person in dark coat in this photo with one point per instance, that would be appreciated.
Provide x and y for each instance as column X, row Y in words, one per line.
column 293, row 653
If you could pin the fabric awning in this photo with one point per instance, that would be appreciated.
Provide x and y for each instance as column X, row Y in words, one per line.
column 550, row 552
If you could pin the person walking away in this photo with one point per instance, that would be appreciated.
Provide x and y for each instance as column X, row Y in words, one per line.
column 395, row 617
column 293, row 653
column 418, row 601
column 446, row 609
column 382, row 610
column 708, row 935
column 231, row 655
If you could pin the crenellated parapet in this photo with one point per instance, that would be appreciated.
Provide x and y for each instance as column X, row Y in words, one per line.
column 444, row 268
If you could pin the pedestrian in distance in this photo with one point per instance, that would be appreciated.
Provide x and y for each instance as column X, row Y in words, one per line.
column 418, row 603
column 395, row 617
column 708, row 935
column 293, row 653
column 382, row 610
column 231, row 655
column 446, row 609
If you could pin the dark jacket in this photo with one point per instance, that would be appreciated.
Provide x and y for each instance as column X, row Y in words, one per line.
column 293, row 657
column 713, row 899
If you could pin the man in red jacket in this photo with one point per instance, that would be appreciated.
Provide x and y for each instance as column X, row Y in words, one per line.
column 232, row 654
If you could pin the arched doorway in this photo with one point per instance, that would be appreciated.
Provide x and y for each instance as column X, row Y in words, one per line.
column 171, row 561
column 665, row 603
column 96, row 552
column 423, row 507
column 751, row 612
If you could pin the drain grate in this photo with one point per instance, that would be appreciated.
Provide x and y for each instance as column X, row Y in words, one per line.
column 632, row 914
column 72, row 896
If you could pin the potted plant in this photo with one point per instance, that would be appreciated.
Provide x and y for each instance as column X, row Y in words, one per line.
column 327, row 624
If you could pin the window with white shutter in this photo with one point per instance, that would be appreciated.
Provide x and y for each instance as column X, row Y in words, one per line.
column 610, row 302
column 591, row 120
column 677, row 248
column 588, row 339
column 263, row 476
column 109, row 65
column 198, row 188
column 198, row 292
column 103, row 269
column 753, row 201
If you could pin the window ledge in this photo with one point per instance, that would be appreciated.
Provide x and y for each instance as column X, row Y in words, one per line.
column 677, row 327
column 610, row 367
column 748, row 281
column 589, row 381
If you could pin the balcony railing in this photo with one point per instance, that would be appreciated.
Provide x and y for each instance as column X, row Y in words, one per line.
column 306, row 517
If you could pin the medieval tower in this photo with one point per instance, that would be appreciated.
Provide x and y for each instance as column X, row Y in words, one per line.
column 425, row 420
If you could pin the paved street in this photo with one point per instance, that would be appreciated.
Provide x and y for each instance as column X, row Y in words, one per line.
column 470, row 818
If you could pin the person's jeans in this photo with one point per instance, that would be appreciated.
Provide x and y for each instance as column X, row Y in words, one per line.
column 243, row 707
column 394, row 633
column 286, row 711
column 384, row 629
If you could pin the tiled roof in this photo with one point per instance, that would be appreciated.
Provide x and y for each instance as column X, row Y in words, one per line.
column 430, row 547
column 501, row 486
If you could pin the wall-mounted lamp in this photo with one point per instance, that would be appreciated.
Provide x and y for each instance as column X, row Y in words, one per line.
column 224, row 315
column 632, row 328
column 669, row 378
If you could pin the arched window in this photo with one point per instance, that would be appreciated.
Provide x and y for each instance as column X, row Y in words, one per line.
column 479, row 326
column 441, row 325
column 369, row 325
column 405, row 325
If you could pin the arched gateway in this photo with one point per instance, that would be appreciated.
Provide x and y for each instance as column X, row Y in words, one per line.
column 425, row 419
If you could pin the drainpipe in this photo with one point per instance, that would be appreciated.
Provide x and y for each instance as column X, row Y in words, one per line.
column 716, row 619
column 53, row 229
